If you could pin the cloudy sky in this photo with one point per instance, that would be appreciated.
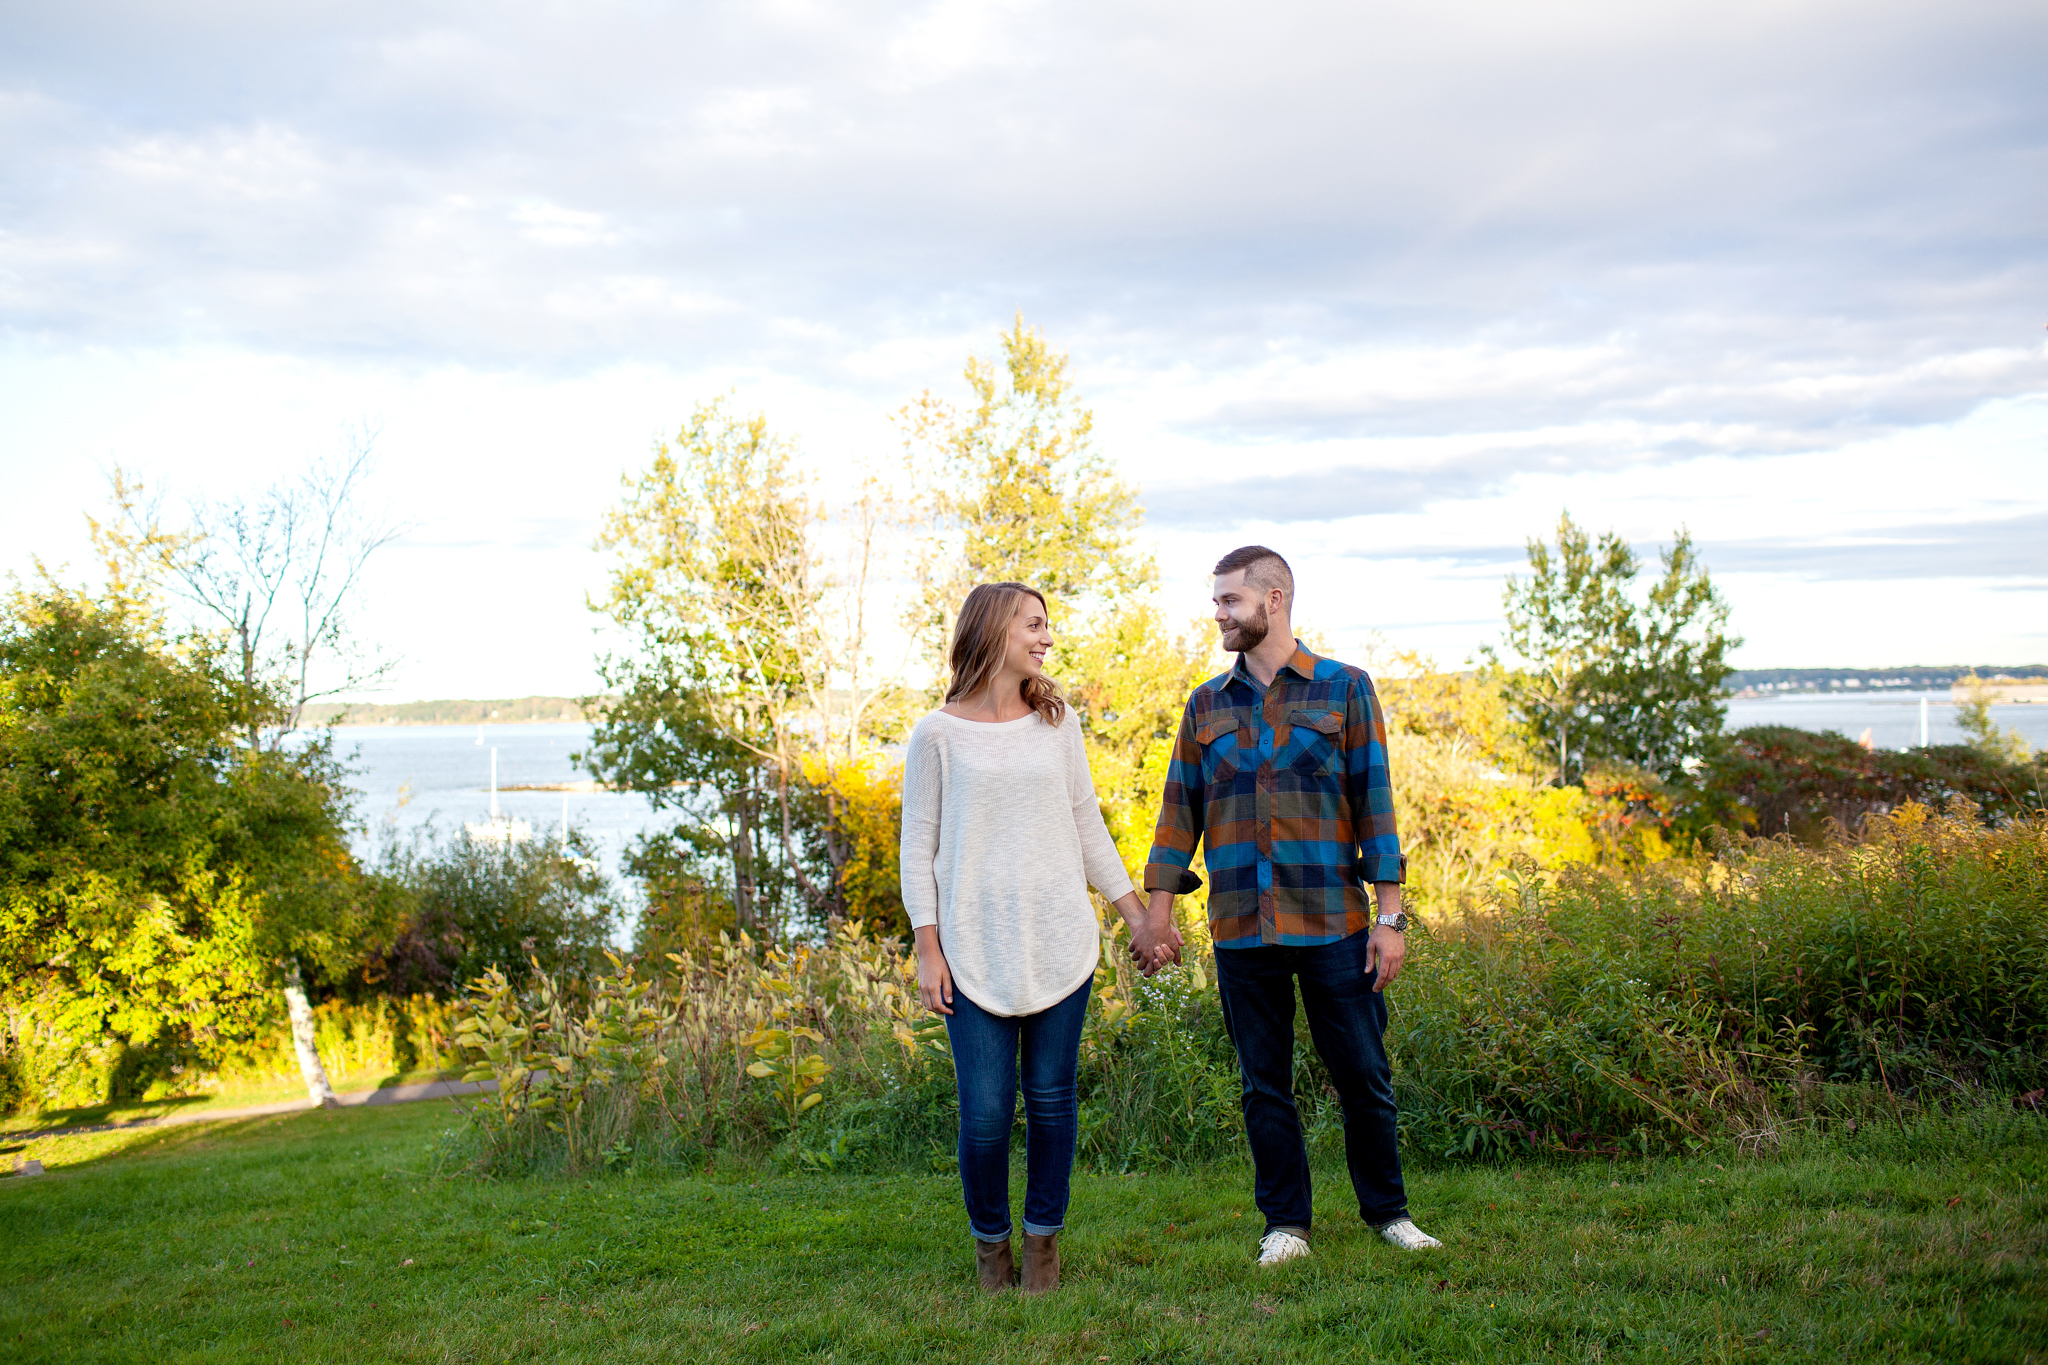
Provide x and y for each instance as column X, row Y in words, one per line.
column 1385, row 286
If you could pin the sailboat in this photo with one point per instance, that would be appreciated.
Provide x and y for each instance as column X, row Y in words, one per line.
column 500, row 828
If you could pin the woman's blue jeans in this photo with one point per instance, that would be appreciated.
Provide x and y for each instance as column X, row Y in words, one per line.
column 985, row 1050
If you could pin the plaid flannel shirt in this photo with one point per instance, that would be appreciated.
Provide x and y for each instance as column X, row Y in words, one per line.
column 1293, row 798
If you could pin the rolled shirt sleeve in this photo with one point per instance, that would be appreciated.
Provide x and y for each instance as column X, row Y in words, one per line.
column 1170, row 864
column 1370, row 786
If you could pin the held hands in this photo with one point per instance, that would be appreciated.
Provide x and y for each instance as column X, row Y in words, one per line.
column 1155, row 941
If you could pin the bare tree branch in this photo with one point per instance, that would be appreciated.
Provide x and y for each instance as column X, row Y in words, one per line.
column 276, row 574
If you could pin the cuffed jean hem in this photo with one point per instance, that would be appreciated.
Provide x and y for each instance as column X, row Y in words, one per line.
column 981, row 1236
column 1032, row 1229
column 1297, row 1229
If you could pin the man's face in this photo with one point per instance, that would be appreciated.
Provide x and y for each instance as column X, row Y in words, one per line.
column 1240, row 613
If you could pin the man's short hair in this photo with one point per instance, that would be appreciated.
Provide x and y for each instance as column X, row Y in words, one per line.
column 1264, row 569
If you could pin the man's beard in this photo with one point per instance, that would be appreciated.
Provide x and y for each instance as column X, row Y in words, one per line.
column 1245, row 636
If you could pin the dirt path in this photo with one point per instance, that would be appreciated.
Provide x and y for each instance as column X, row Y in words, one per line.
column 390, row 1094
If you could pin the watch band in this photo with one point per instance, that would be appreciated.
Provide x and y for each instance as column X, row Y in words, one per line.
column 1398, row 921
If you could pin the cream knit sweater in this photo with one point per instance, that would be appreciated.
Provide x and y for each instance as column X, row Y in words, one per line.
column 1002, row 837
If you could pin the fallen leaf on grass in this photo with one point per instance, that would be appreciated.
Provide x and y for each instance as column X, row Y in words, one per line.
column 1440, row 1286
column 1955, row 1201
column 406, row 1262
column 751, row 1327
column 289, row 1323
column 1268, row 1309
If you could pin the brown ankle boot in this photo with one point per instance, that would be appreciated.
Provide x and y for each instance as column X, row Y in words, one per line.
column 992, row 1261
column 1041, row 1262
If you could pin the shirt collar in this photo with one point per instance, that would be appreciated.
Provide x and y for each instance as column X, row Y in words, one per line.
column 1302, row 664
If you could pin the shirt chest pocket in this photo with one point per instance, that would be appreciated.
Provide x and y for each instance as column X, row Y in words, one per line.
column 1316, row 738
column 1228, row 745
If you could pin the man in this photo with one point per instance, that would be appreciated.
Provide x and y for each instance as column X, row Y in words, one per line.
column 1281, row 767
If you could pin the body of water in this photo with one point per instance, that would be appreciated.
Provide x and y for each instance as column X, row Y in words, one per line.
column 1893, row 718
column 411, row 776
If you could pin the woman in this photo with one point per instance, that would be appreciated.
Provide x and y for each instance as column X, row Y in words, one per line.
column 1001, row 839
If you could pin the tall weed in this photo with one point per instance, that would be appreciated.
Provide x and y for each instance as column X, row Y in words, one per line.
column 1692, row 1000
column 1758, row 996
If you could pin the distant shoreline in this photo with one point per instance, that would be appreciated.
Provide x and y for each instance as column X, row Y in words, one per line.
column 458, row 711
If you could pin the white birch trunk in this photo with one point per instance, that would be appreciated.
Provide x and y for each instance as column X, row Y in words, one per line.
column 303, row 1039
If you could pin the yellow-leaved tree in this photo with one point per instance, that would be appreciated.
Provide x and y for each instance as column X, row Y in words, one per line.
column 1465, row 799
column 1013, row 488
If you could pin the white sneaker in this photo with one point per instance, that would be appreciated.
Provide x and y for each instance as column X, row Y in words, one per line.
column 1405, row 1235
column 1279, row 1246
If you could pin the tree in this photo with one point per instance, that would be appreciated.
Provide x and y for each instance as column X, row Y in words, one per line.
column 1564, row 622
column 155, row 875
column 1662, row 705
column 1013, row 489
column 1986, row 735
column 1600, row 677
column 750, row 661
column 276, row 573
column 274, row 576
column 1128, row 679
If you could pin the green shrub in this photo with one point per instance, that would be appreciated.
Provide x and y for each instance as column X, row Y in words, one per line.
column 1772, row 989
column 1780, row 780
column 1697, row 1000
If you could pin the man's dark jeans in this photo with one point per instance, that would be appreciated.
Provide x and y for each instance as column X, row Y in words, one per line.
column 1348, row 1020
column 985, row 1048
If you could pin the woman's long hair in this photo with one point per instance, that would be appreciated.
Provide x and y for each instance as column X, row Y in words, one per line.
column 981, row 636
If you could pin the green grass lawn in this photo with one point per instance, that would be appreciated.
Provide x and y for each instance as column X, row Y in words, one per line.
column 320, row 1236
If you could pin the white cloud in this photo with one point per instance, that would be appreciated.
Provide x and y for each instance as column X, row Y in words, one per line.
column 1460, row 263
column 952, row 37
column 553, row 225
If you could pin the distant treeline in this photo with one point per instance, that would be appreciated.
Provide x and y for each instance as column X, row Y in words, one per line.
column 1916, row 676
column 459, row 711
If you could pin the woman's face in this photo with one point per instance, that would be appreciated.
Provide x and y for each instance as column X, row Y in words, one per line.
column 1030, row 638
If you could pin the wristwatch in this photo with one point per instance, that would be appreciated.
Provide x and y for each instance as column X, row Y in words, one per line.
column 1398, row 921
